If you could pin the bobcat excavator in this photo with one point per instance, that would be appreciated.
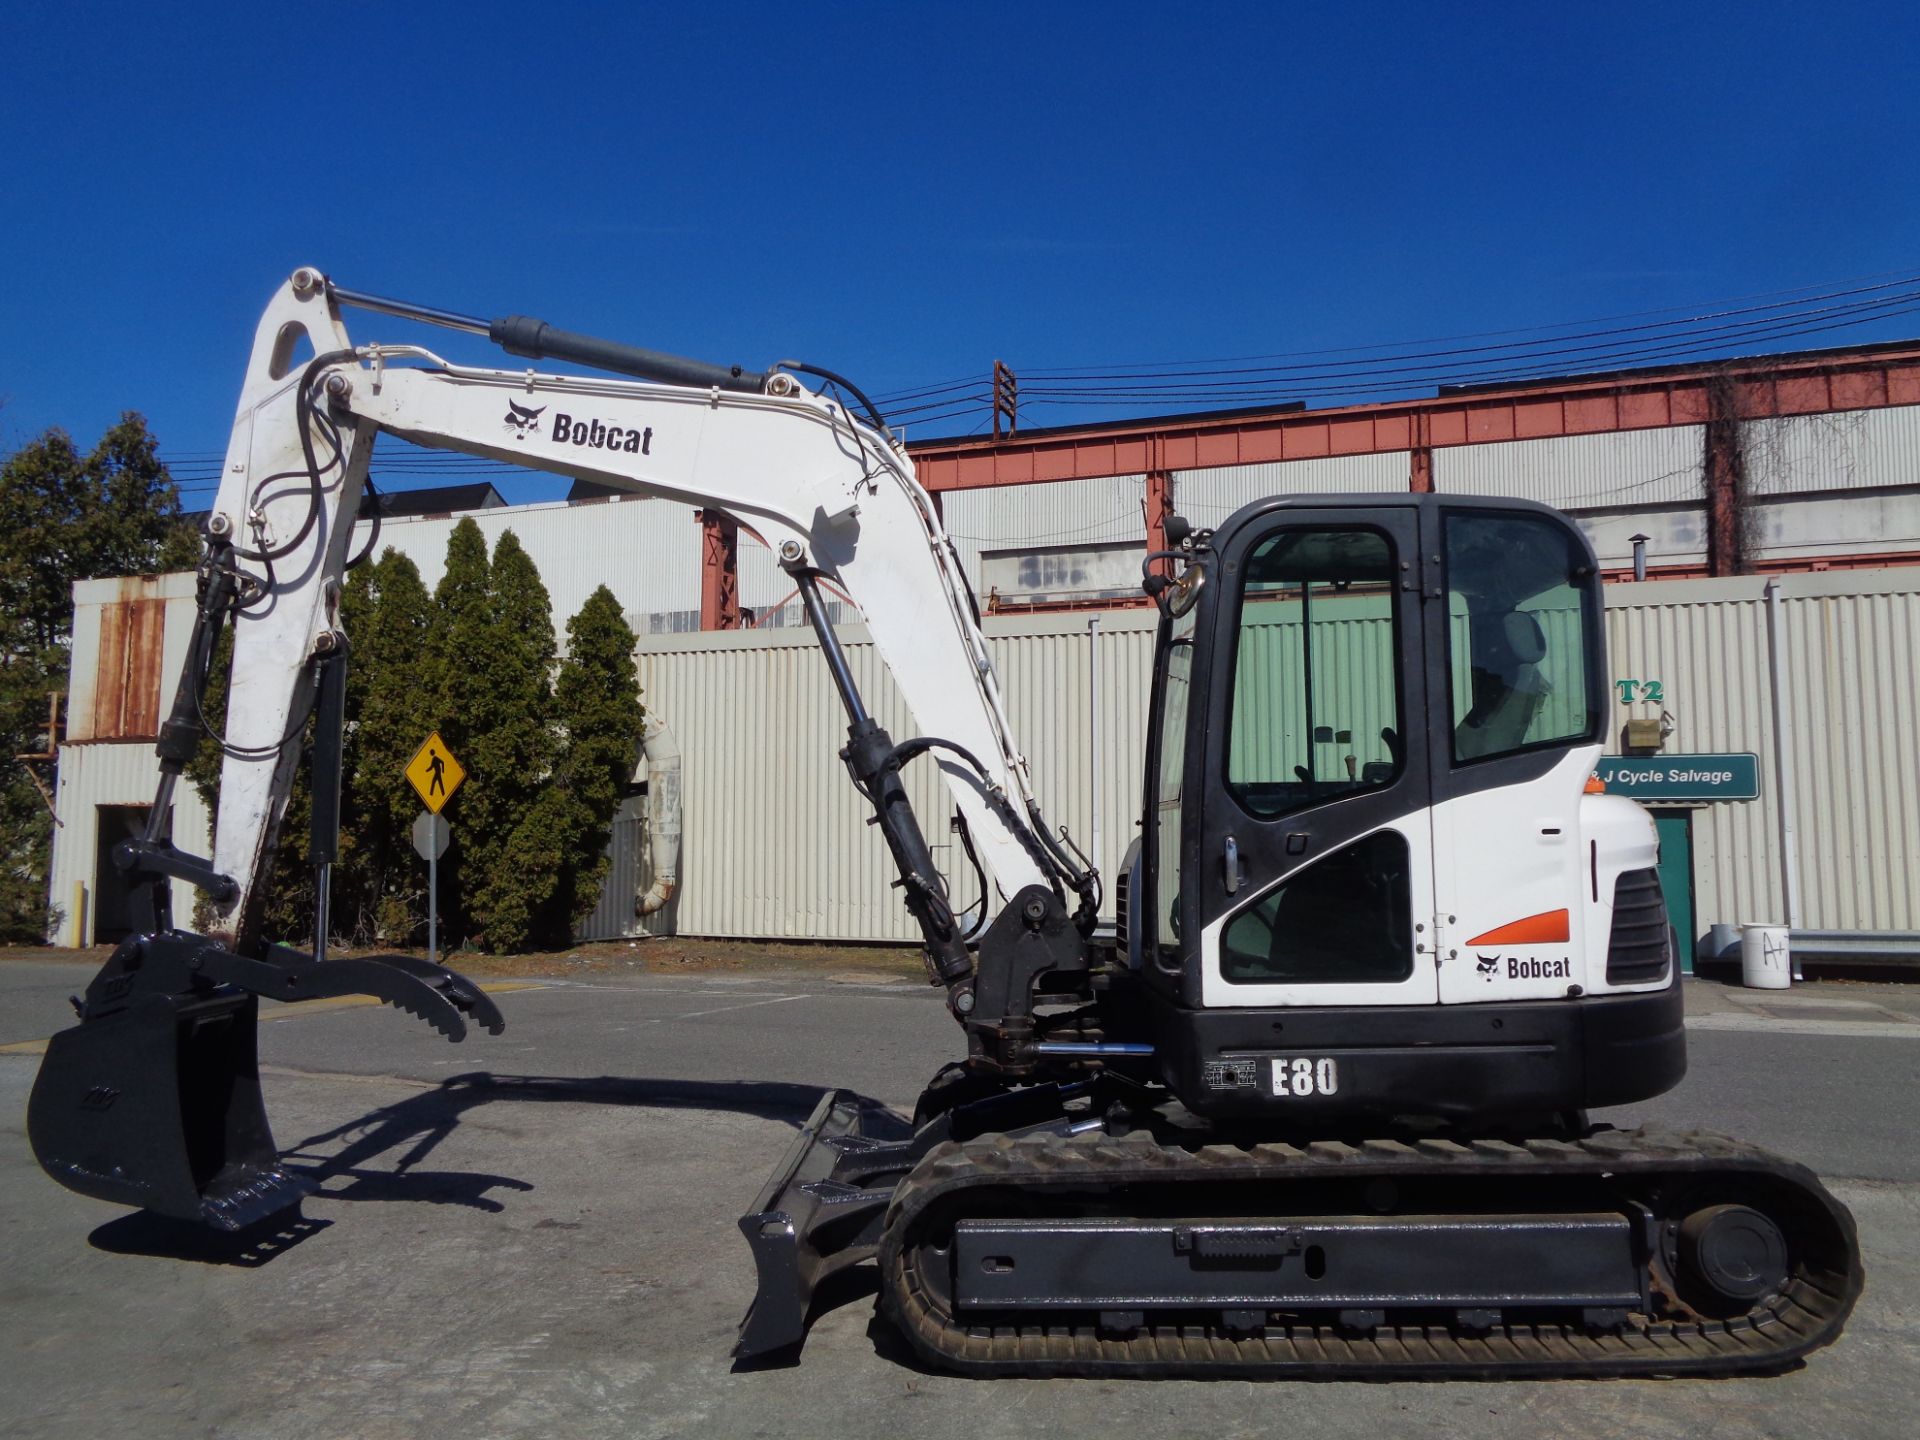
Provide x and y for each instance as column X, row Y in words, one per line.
column 1318, row 1110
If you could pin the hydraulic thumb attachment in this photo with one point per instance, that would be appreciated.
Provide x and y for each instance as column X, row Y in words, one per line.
column 153, row 1099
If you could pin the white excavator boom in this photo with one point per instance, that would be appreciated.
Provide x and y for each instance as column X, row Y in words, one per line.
column 832, row 496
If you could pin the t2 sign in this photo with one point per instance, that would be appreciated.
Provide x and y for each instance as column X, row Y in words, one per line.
column 1650, row 692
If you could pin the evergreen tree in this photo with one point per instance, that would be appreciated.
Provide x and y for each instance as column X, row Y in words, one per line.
column 380, row 896
column 596, row 700
column 492, row 654
column 454, row 680
column 511, row 859
column 549, row 758
column 63, row 517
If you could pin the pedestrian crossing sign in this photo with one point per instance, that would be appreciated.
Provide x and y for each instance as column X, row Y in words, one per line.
column 435, row 773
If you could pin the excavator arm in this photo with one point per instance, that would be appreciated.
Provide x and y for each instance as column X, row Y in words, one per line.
column 152, row 1098
column 833, row 497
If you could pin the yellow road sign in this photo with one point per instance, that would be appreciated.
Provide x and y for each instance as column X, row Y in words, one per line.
column 435, row 773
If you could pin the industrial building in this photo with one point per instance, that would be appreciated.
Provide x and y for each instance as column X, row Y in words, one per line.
column 1772, row 507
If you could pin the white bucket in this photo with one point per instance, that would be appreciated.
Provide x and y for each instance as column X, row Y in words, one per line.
column 1764, row 961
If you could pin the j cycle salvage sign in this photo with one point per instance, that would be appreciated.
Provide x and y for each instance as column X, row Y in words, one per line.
column 1682, row 777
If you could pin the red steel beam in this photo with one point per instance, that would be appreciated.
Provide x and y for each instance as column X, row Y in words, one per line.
column 1865, row 381
column 719, row 570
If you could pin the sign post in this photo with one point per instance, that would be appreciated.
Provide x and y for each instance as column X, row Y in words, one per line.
column 434, row 775
column 430, row 836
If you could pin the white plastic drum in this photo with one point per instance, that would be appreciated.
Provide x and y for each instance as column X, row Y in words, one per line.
column 1764, row 961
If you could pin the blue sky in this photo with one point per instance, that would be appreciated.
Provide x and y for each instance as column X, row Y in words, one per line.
column 904, row 193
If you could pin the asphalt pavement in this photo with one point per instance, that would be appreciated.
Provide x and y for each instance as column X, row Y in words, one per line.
column 533, row 1234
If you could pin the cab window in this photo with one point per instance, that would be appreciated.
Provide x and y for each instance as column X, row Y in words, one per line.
column 1522, row 622
column 1316, row 681
column 1175, row 689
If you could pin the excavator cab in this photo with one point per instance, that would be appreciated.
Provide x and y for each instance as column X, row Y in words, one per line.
column 1368, row 859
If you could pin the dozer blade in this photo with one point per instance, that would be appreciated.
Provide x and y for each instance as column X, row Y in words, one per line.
column 821, row 1210
column 153, row 1099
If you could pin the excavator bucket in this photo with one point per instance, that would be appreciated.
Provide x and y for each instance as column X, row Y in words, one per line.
column 158, row 1106
column 153, row 1099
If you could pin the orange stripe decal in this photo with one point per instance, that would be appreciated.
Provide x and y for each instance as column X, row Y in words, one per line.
column 1544, row 929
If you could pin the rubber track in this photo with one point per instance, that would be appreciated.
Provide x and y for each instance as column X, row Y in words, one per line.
column 1807, row 1315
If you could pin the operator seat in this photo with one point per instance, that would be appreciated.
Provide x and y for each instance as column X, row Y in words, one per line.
column 1506, row 700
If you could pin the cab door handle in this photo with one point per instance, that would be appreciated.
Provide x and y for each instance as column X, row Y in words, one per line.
column 1230, row 860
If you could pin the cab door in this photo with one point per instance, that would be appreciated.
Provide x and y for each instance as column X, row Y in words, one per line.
column 1312, row 870
column 1513, row 621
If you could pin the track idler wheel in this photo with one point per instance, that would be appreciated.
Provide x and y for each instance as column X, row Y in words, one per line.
column 1730, row 1256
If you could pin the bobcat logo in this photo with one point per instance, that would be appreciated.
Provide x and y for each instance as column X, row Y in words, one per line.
column 520, row 419
column 1486, row 965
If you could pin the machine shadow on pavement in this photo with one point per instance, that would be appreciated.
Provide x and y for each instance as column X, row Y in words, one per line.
column 163, row 1237
column 414, row 1128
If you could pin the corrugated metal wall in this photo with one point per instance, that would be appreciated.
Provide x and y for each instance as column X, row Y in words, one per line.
column 647, row 552
column 1053, row 513
column 1580, row 472
column 1844, row 450
column 1852, row 691
column 775, row 842
column 1851, row 708
column 629, row 875
column 112, row 683
column 1206, row 497
column 109, row 774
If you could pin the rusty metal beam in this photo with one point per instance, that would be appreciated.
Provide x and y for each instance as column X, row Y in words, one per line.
column 1725, row 469
column 719, row 571
column 1641, row 401
column 1158, row 506
column 1420, row 456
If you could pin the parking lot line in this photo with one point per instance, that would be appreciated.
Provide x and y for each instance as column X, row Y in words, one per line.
column 743, row 1005
column 1765, row 1025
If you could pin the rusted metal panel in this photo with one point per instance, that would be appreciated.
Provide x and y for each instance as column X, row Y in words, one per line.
column 125, row 703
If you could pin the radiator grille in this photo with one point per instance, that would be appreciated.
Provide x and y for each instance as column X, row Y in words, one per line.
column 1637, row 951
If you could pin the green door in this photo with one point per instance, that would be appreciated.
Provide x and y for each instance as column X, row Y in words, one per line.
column 1676, row 877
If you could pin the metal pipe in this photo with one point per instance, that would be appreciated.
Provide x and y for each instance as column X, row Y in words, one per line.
column 1783, row 756
column 663, row 813
column 1097, row 855
column 1091, row 1047
column 1639, row 543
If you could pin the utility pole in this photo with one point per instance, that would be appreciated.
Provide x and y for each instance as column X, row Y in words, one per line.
column 1006, row 398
